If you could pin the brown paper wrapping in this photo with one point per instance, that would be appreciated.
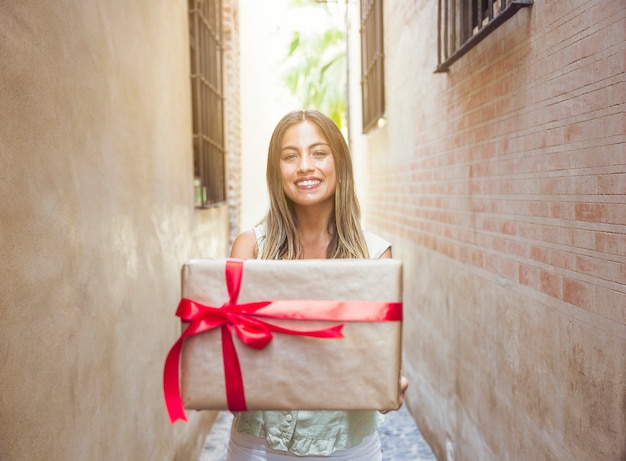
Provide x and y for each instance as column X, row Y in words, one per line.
column 358, row 372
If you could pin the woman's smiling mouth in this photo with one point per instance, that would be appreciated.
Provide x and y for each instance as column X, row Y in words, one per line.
column 308, row 183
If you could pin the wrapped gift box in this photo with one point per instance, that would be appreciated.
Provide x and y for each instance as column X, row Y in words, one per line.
column 360, row 370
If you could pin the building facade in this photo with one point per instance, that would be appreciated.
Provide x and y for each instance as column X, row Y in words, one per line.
column 500, row 177
column 99, row 212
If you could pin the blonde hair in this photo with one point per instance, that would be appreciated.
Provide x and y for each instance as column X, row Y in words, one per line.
column 281, row 238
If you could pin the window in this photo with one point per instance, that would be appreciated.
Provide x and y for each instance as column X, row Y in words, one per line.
column 207, row 95
column 372, row 69
column 462, row 24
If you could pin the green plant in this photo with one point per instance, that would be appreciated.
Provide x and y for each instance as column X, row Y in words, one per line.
column 314, row 69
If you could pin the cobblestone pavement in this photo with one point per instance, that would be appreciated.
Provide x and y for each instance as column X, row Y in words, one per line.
column 399, row 436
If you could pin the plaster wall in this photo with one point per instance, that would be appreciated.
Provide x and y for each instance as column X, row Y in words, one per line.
column 502, row 186
column 96, row 218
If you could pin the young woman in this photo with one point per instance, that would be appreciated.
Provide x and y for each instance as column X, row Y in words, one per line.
column 314, row 214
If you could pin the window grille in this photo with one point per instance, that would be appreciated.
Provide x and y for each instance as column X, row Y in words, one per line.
column 206, row 52
column 372, row 65
column 462, row 24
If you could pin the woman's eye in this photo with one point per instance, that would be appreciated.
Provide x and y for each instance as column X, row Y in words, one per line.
column 320, row 153
column 289, row 156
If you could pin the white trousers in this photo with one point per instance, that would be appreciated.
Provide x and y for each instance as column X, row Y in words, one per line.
column 246, row 447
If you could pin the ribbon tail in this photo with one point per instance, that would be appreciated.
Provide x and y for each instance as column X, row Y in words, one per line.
column 171, row 385
column 233, row 378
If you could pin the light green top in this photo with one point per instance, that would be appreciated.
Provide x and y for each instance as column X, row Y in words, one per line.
column 317, row 433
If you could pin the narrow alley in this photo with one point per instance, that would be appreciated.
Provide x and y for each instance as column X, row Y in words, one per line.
column 488, row 142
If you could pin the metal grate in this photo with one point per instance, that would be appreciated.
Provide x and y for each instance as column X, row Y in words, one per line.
column 206, row 52
column 462, row 24
column 372, row 65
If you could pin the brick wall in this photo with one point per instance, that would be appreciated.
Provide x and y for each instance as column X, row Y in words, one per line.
column 502, row 183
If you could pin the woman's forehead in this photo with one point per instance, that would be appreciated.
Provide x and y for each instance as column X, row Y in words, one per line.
column 303, row 133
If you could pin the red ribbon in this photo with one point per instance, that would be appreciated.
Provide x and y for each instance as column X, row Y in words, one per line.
column 253, row 332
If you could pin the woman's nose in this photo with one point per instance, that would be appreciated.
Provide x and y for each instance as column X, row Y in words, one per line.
column 305, row 163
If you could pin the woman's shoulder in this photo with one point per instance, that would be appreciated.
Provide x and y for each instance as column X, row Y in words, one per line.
column 376, row 245
column 245, row 245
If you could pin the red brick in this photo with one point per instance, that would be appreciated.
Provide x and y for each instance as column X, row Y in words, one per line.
column 612, row 304
column 498, row 243
column 553, row 234
column 604, row 269
column 553, row 186
column 490, row 262
column 581, row 185
column 541, row 254
column 581, row 238
column 562, row 211
column 509, row 269
column 616, row 213
column 563, row 259
column 576, row 292
column 611, row 243
column 529, row 276
column 490, row 225
column 539, row 208
column 517, row 248
column 612, row 184
column 550, row 283
column 593, row 212
column 508, row 227
column 477, row 258
column 613, row 125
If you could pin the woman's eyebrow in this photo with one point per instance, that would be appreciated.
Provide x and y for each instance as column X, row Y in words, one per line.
column 312, row 146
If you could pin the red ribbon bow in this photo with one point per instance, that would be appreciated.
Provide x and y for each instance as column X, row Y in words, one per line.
column 241, row 319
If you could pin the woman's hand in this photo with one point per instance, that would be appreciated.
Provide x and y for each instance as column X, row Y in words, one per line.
column 403, row 385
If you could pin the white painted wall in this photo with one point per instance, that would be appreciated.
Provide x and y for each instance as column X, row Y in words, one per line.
column 262, row 105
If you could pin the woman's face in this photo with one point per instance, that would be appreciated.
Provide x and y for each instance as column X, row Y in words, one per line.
column 307, row 166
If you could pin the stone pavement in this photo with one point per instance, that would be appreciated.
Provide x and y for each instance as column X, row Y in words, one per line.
column 399, row 436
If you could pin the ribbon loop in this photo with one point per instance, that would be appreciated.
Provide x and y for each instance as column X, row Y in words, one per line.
column 252, row 332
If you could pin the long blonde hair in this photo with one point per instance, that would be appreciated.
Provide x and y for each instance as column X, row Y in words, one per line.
column 281, row 238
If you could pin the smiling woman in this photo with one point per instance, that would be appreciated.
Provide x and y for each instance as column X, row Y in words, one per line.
column 314, row 211
column 313, row 214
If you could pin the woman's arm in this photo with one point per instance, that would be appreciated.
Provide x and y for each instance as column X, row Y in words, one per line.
column 245, row 246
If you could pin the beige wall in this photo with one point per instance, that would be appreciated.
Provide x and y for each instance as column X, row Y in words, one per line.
column 96, row 218
column 502, row 186
column 233, row 114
